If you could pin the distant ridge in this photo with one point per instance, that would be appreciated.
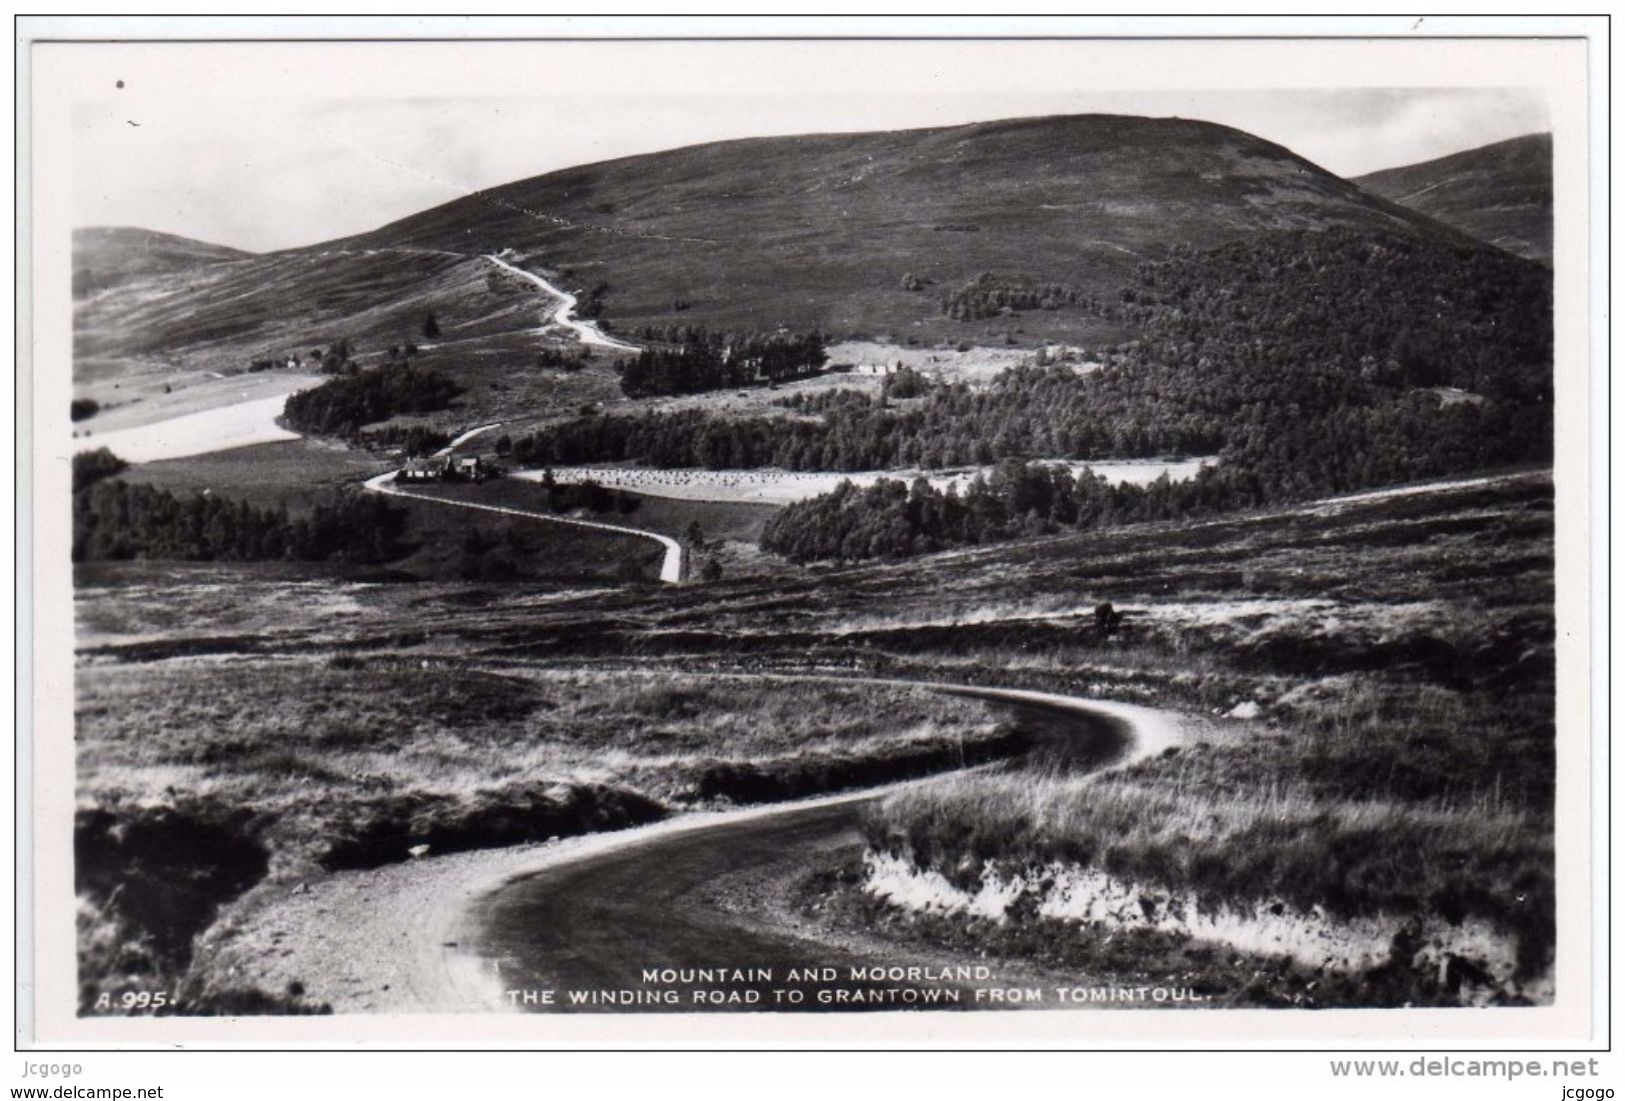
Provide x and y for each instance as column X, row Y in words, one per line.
column 1499, row 193
column 105, row 256
column 822, row 229
column 883, row 234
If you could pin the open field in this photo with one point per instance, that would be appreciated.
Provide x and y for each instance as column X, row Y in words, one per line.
column 168, row 408
column 1380, row 667
column 331, row 747
column 781, row 487
column 228, row 774
column 729, row 521
column 944, row 363
column 290, row 472
column 243, row 424
column 438, row 541
column 457, row 543
column 501, row 381
column 1192, row 595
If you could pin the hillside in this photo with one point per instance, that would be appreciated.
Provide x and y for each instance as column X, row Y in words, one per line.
column 105, row 256
column 822, row 229
column 1009, row 232
column 1499, row 193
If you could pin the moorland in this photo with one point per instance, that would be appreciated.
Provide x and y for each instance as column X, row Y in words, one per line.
column 1342, row 580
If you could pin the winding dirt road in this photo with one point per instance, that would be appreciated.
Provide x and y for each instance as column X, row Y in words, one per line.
column 599, row 922
column 473, row 931
column 585, row 331
column 465, row 437
column 671, row 566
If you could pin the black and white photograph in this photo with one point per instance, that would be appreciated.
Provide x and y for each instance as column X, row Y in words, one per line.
column 818, row 534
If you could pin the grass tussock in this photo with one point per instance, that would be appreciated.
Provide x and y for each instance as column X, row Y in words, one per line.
column 1358, row 811
column 199, row 779
column 149, row 880
column 354, row 761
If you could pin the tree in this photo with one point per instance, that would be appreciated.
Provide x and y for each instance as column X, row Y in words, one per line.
column 90, row 467
column 431, row 327
column 1107, row 619
column 337, row 357
column 711, row 570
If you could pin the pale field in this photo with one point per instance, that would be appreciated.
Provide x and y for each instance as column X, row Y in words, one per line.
column 143, row 402
column 204, row 429
column 945, row 364
column 782, row 487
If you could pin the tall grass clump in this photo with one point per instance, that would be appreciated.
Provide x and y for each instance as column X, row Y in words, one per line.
column 1383, row 799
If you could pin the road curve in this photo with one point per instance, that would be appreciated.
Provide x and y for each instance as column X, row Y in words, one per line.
column 455, row 932
column 671, row 566
column 585, row 331
column 465, row 437
column 654, row 898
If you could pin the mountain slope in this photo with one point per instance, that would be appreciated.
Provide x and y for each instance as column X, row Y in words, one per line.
column 822, row 229
column 872, row 234
column 105, row 256
column 1499, row 193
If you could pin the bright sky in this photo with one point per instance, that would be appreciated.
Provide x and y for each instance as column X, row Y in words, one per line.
column 279, row 146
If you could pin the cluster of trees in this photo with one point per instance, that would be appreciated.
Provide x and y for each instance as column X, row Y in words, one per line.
column 713, row 361
column 1307, row 362
column 83, row 408
column 990, row 295
column 340, row 406
column 674, row 335
column 891, row 519
column 414, row 439
column 113, row 519
column 904, row 383
column 1385, row 311
column 90, row 467
column 1242, row 347
column 338, row 359
column 590, row 495
column 1028, row 413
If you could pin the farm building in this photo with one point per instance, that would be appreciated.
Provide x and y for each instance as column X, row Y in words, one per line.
column 447, row 468
column 469, row 467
